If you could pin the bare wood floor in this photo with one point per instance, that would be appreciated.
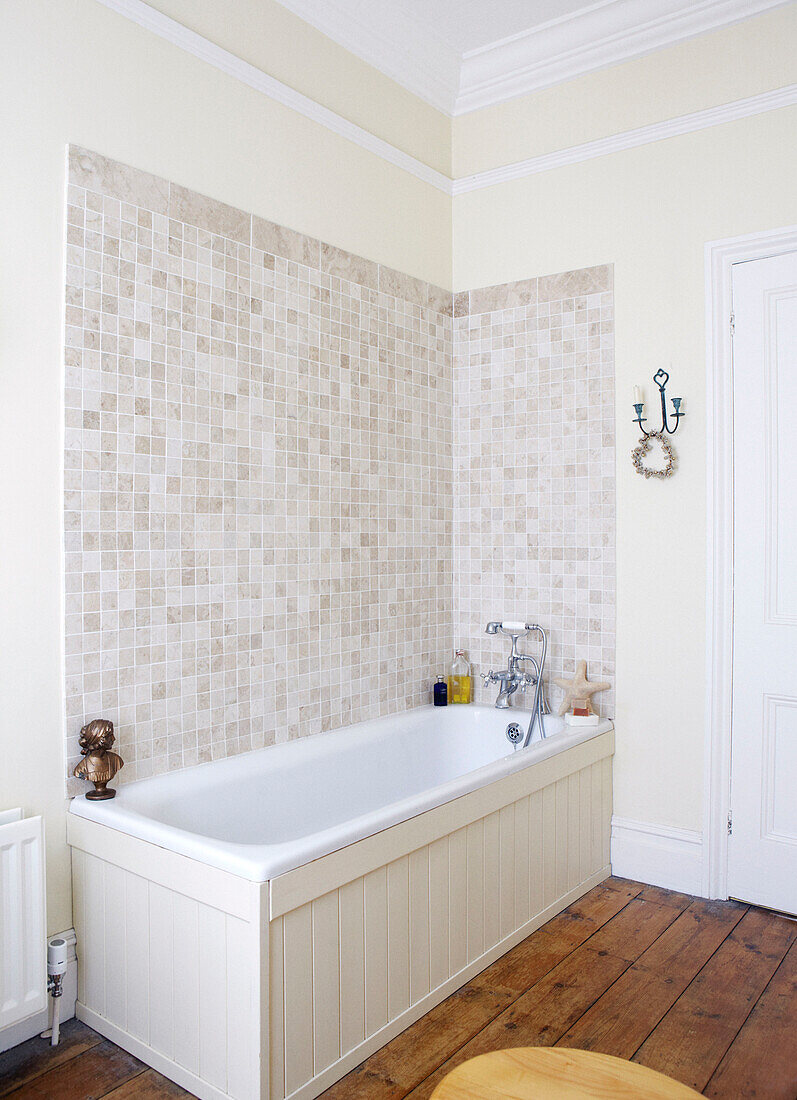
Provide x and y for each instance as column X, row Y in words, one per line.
column 703, row 991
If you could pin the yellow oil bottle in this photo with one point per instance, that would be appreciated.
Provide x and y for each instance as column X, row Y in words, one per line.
column 460, row 681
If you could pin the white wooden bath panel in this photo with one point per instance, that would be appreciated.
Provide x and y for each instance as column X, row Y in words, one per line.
column 262, row 991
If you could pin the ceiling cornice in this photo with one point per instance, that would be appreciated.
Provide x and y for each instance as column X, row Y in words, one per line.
column 171, row 31
column 600, row 34
column 631, row 139
column 603, row 34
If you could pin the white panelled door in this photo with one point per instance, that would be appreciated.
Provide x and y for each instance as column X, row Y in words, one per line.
column 762, row 849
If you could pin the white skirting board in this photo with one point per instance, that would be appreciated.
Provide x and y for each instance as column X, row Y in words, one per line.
column 658, row 854
column 36, row 1024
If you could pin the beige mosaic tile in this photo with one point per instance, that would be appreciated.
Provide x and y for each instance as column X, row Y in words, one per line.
column 292, row 487
column 258, row 502
column 567, row 284
column 440, row 300
column 118, row 181
column 403, row 286
column 356, row 269
column 487, row 298
column 209, row 214
column 399, row 285
column 534, row 475
column 280, row 241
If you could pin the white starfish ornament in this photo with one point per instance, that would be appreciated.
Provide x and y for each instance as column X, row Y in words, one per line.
column 579, row 691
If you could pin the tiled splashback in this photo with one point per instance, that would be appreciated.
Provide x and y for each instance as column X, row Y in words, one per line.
column 258, row 512
column 534, row 470
column 268, row 443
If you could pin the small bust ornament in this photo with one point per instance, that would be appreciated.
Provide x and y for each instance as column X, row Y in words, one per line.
column 99, row 765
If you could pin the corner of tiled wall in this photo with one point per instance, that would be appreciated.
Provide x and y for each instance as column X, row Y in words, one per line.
column 296, row 479
column 534, row 470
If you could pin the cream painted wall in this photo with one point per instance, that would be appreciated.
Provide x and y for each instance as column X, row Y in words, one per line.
column 649, row 211
column 275, row 40
column 73, row 71
column 746, row 59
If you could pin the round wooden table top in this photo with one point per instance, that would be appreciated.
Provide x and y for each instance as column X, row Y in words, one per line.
column 556, row 1073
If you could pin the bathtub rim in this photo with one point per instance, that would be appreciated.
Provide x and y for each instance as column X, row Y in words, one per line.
column 260, row 863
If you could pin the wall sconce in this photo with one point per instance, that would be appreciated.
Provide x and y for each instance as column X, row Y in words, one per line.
column 661, row 378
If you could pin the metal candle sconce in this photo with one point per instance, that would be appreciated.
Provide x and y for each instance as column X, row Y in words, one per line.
column 661, row 378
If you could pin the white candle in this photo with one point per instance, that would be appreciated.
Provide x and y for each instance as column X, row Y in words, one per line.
column 637, row 395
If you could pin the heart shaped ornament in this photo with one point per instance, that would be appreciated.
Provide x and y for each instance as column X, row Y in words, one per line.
column 644, row 448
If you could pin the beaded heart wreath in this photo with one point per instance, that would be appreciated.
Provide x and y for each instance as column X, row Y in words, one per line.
column 643, row 448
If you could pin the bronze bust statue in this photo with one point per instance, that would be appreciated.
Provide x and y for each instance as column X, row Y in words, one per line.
column 99, row 765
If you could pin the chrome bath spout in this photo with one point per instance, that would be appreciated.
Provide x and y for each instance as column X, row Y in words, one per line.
column 512, row 678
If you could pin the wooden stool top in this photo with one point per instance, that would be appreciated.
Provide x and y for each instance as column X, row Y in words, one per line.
column 556, row 1073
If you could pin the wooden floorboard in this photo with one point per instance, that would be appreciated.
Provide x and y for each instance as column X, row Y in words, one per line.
column 703, row 991
column 633, row 929
column 90, row 1075
column 409, row 1058
column 33, row 1058
column 665, row 897
column 624, row 1016
column 150, row 1085
column 585, row 916
column 761, row 1063
column 541, row 1014
column 695, row 1034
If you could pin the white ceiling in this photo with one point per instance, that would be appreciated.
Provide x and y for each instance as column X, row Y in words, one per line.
column 460, row 55
column 466, row 25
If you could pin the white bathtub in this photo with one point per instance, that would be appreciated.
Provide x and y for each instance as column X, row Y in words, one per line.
column 254, row 927
column 266, row 812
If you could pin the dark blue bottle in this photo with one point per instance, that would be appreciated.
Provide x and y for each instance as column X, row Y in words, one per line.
column 441, row 692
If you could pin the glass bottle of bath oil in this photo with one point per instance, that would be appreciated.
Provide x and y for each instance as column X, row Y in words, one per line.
column 460, row 681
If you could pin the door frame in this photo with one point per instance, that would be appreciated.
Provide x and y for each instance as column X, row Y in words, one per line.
column 720, row 257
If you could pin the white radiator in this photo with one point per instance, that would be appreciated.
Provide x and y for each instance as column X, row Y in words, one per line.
column 23, row 950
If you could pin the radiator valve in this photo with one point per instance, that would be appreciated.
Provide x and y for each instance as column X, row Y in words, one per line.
column 56, row 968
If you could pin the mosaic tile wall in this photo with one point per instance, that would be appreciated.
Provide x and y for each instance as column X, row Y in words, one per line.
column 534, row 517
column 292, row 483
column 258, row 477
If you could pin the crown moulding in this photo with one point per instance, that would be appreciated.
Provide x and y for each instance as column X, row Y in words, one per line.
column 630, row 139
column 171, row 31
column 594, row 37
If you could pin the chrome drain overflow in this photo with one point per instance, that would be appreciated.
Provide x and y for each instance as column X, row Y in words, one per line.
column 514, row 733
